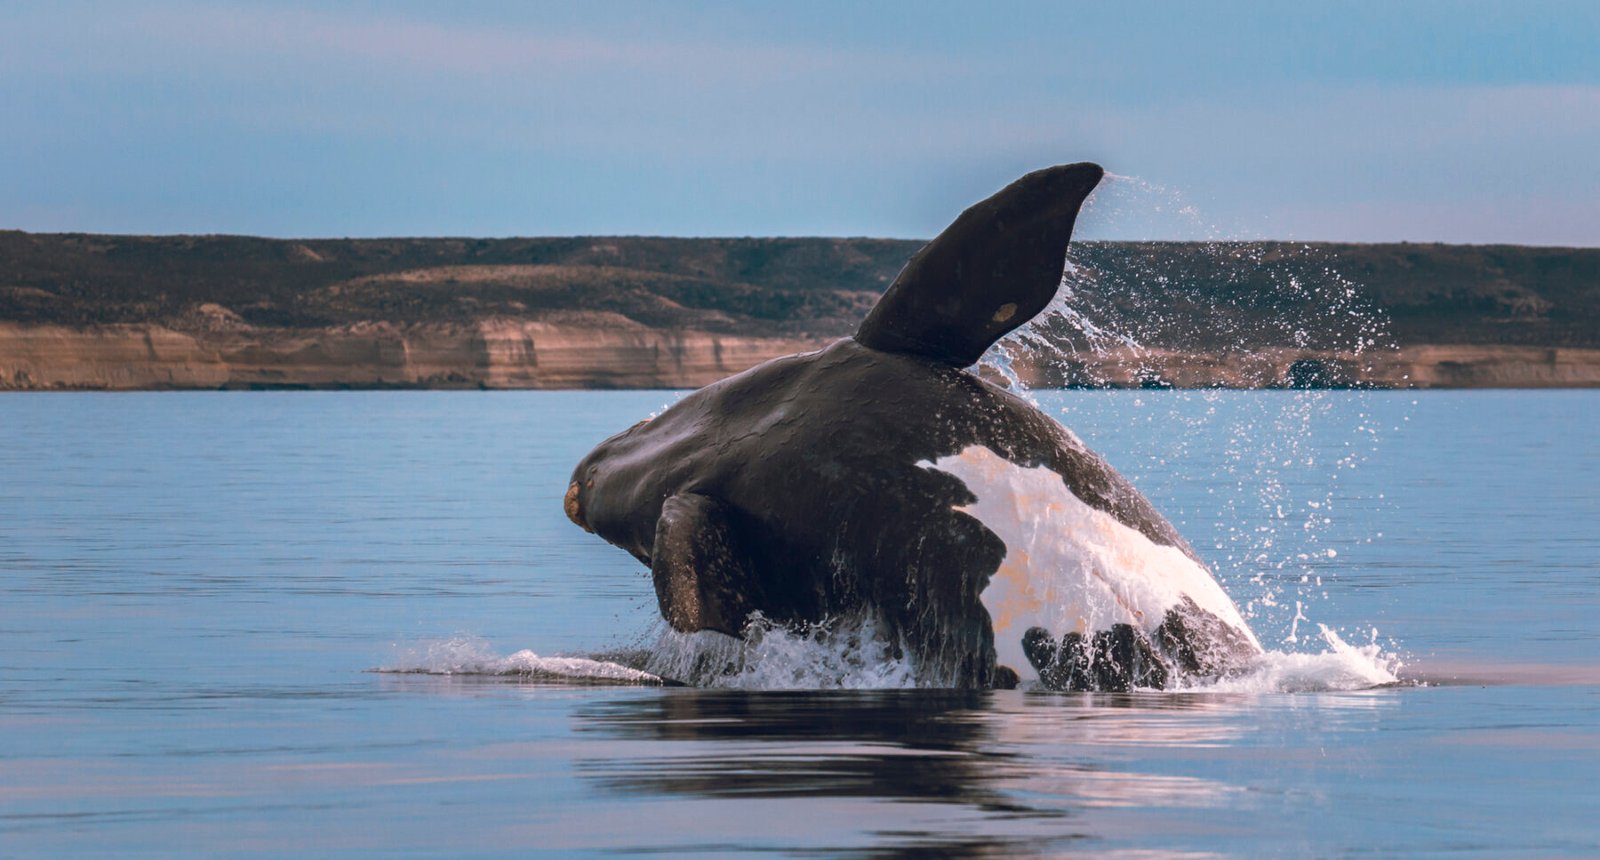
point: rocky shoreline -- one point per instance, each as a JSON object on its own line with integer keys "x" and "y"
{"x": 518, "y": 354}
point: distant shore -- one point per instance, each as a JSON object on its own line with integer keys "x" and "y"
{"x": 81, "y": 312}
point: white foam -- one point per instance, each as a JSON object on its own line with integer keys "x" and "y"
{"x": 471, "y": 656}
{"x": 1070, "y": 567}
{"x": 851, "y": 653}
{"x": 1339, "y": 668}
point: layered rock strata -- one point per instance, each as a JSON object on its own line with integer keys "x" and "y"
{"x": 522, "y": 354}
{"x": 489, "y": 354}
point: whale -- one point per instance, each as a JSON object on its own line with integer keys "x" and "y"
{"x": 881, "y": 475}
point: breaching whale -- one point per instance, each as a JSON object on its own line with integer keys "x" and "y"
{"x": 879, "y": 475}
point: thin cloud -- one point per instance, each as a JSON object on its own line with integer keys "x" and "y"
{"x": 282, "y": 120}
{"x": 413, "y": 47}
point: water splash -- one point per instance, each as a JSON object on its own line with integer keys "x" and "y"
{"x": 854, "y": 652}
{"x": 1214, "y": 313}
{"x": 858, "y": 653}
{"x": 843, "y": 654}
{"x": 1133, "y": 205}
{"x": 1340, "y": 667}
{"x": 1209, "y": 315}
{"x": 468, "y": 655}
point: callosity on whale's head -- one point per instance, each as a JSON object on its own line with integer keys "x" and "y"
{"x": 877, "y": 475}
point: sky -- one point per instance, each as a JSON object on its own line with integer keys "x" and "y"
{"x": 1366, "y": 121}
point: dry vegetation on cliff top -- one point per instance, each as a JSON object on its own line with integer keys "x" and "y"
{"x": 1431, "y": 293}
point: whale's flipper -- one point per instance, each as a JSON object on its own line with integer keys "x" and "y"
{"x": 1107, "y": 661}
{"x": 988, "y": 273}
{"x": 701, "y": 576}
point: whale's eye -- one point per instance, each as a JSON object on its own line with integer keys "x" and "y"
{"x": 590, "y": 484}
{"x": 1005, "y": 312}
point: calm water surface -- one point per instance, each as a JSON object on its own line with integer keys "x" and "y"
{"x": 193, "y": 588}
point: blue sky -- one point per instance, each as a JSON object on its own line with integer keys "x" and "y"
{"x": 1378, "y": 121}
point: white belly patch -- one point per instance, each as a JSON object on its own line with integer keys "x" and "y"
{"x": 1068, "y": 566}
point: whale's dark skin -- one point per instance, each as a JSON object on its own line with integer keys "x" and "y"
{"x": 793, "y": 489}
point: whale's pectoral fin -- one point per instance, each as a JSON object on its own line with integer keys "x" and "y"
{"x": 701, "y": 577}
{"x": 1203, "y": 644}
{"x": 989, "y": 272}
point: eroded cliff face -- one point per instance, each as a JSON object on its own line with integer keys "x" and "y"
{"x": 521, "y": 354}
{"x": 488, "y": 354}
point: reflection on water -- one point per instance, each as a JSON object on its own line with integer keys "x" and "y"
{"x": 1019, "y": 771}
{"x": 891, "y": 744}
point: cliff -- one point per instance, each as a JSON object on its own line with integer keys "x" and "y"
{"x": 486, "y": 354}
{"x": 121, "y": 312}
{"x": 513, "y": 354}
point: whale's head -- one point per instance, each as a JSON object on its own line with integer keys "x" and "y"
{"x": 613, "y": 483}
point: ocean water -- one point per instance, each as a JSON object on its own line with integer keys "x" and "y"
{"x": 195, "y": 589}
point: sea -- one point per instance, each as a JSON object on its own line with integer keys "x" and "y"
{"x": 357, "y": 624}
